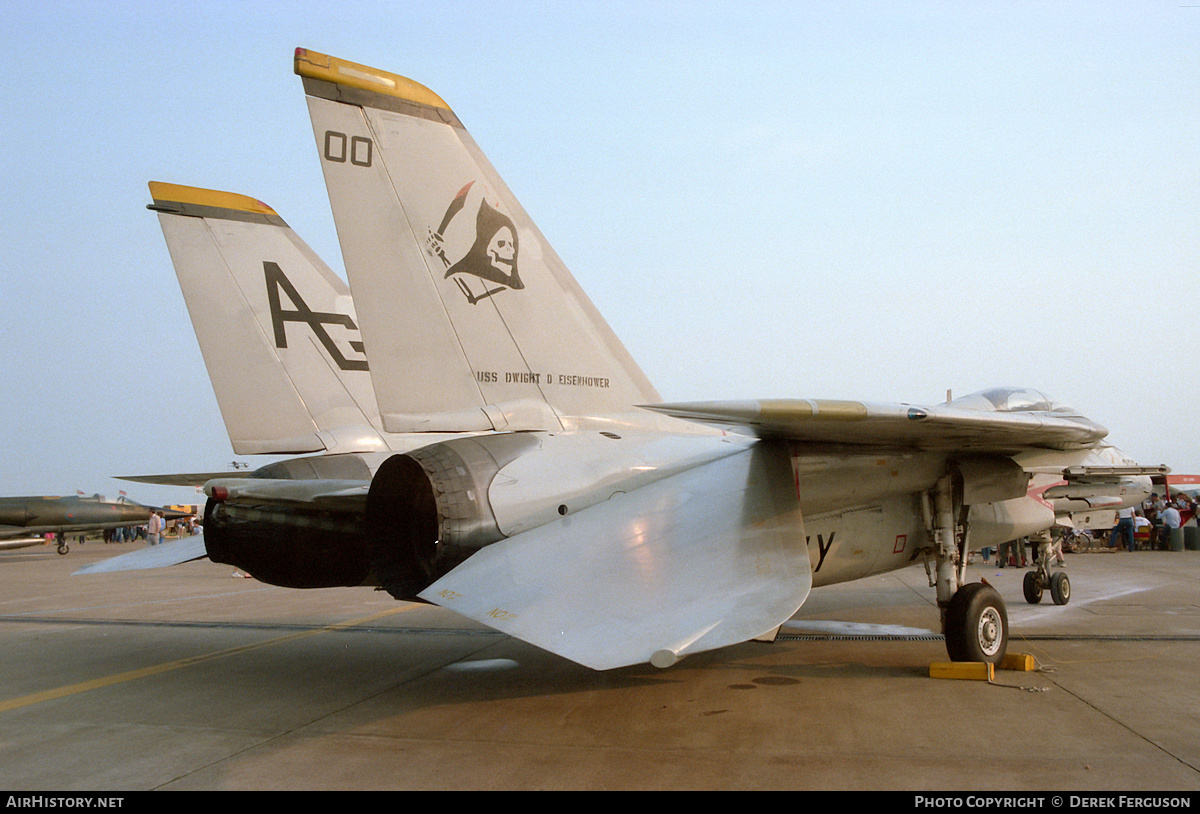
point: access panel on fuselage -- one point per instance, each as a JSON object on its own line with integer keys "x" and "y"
{"x": 855, "y": 543}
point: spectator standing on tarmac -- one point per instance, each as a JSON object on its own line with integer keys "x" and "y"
{"x": 1170, "y": 521}
{"x": 1123, "y": 529}
{"x": 154, "y": 528}
{"x": 1012, "y": 553}
{"x": 1151, "y": 507}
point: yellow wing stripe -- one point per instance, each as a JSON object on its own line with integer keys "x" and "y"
{"x": 772, "y": 410}
{"x": 312, "y": 65}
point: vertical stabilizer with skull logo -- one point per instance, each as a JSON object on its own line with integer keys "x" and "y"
{"x": 469, "y": 319}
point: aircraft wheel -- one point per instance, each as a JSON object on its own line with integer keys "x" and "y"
{"x": 63, "y": 548}
{"x": 1032, "y": 588}
{"x": 976, "y": 624}
{"x": 1060, "y": 588}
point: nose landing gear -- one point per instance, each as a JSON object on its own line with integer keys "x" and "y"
{"x": 1038, "y": 580}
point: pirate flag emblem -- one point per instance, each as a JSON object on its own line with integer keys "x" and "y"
{"x": 492, "y": 257}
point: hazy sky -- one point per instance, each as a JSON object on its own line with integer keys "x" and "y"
{"x": 872, "y": 200}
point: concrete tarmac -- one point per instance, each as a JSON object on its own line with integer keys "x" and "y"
{"x": 190, "y": 678}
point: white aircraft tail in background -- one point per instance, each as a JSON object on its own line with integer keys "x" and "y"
{"x": 276, "y": 326}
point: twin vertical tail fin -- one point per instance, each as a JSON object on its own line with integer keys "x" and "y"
{"x": 472, "y": 322}
{"x": 276, "y": 326}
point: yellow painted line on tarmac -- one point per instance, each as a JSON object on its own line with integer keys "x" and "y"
{"x": 145, "y": 672}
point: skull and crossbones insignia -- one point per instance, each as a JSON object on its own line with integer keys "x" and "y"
{"x": 492, "y": 257}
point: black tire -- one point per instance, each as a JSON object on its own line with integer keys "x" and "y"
{"x": 976, "y": 624}
{"x": 1032, "y": 588}
{"x": 1060, "y": 588}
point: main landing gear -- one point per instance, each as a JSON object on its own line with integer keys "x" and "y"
{"x": 1040, "y": 579}
{"x": 974, "y": 619}
{"x": 976, "y": 624}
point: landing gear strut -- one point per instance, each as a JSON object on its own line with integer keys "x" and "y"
{"x": 974, "y": 619}
{"x": 1038, "y": 580}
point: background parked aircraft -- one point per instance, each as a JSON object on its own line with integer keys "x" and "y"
{"x": 22, "y": 516}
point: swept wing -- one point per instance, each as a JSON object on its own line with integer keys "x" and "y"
{"x": 703, "y": 559}
{"x": 858, "y": 423}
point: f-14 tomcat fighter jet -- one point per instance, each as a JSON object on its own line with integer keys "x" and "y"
{"x": 487, "y": 444}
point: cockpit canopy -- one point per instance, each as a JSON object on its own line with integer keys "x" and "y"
{"x": 1011, "y": 400}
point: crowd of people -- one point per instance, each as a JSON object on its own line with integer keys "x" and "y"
{"x": 156, "y": 529}
{"x": 1157, "y": 516}
{"x": 1147, "y": 526}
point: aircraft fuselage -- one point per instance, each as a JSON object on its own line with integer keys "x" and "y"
{"x": 34, "y": 515}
